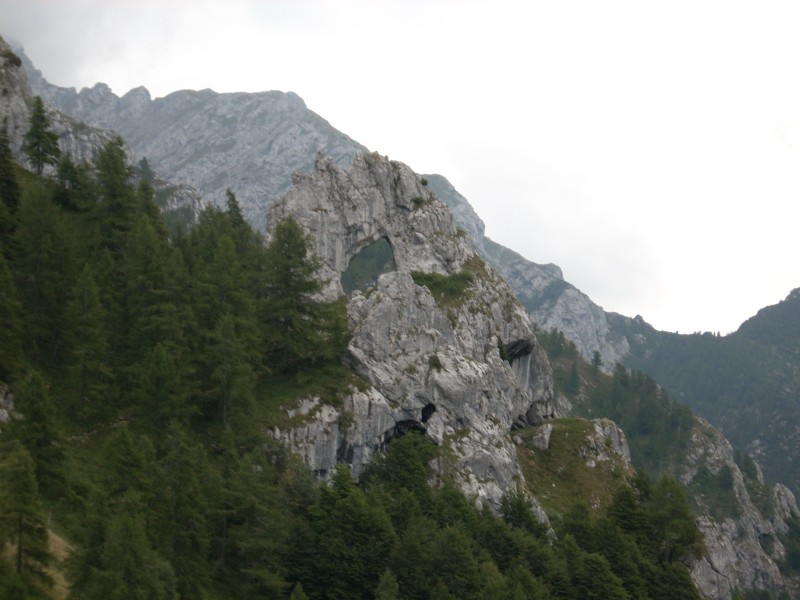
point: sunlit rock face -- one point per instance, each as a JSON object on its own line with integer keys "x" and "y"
{"x": 431, "y": 367}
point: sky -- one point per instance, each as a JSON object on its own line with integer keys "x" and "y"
{"x": 650, "y": 149}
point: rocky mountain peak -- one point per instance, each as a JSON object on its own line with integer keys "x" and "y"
{"x": 435, "y": 365}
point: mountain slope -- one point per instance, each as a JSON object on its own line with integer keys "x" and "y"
{"x": 251, "y": 143}
{"x": 465, "y": 371}
{"x": 747, "y": 383}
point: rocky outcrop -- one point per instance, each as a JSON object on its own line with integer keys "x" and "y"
{"x": 7, "y": 411}
{"x": 742, "y": 540}
{"x": 463, "y": 213}
{"x": 551, "y": 301}
{"x": 431, "y": 368}
{"x": 556, "y": 304}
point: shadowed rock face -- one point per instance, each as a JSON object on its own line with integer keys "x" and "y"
{"x": 432, "y": 368}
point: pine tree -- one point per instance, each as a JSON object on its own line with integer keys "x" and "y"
{"x": 252, "y": 528}
{"x": 182, "y": 523}
{"x": 674, "y": 529}
{"x": 22, "y": 518}
{"x": 75, "y": 189}
{"x": 131, "y": 569}
{"x": 388, "y": 588}
{"x": 41, "y": 143}
{"x": 232, "y": 378}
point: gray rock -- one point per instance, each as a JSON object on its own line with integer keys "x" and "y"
{"x": 735, "y": 558}
{"x": 431, "y": 368}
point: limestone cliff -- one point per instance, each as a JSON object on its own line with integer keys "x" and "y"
{"x": 741, "y": 518}
{"x": 433, "y": 368}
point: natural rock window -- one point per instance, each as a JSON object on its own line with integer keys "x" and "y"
{"x": 365, "y": 267}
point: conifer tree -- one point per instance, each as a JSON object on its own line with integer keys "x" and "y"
{"x": 131, "y": 569}
{"x": 38, "y": 431}
{"x": 9, "y": 187}
{"x": 232, "y": 378}
{"x": 41, "y": 142}
{"x": 90, "y": 372}
{"x": 253, "y": 526}
{"x": 118, "y": 198}
{"x": 43, "y": 268}
{"x": 388, "y": 588}
{"x": 295, "y": 331}
{"x": 75, "y": 188}
{"x": 182, "y": 522}
{"x": 10, "y": 325}
{"x": 22, "y": 517}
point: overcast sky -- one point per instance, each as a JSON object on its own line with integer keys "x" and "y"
{"x": 650, "y": 149}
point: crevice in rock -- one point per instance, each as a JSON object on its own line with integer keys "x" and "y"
{"x": 427, "y": 411}
{"x": 345, "y": 453}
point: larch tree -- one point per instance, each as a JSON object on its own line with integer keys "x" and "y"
{"x": 41, "y": 142}
{"x": 22, "y": 520}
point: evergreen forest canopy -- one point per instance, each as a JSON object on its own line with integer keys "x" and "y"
{"x": 147, "y": 364}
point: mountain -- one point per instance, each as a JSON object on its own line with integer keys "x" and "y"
{"x": 440, "y": 343}
{"x": 251, "y": 143}
{"x": 747, "y": 382}
{"x": 467, "y": 370}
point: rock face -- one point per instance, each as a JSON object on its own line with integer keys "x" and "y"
{"x": 431, "y": 368}
{"x": 251, "y": 143}
{"x": 551, "y": 301}
{"x": 555, "y": 303}
{"x": 736, "y": 539}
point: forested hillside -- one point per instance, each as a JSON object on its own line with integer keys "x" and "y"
{"x": 747, "y": 382}
{"x": 145, "y": 366}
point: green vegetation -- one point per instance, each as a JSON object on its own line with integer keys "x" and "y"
{"x": 745, "y": 383}
{"x": 148, "y": 366}
{"x": 657, "y": 428}
{"x": 41, "y": 143}
{"x": 449, "y": 291}
{"x": 559, "y": 475}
